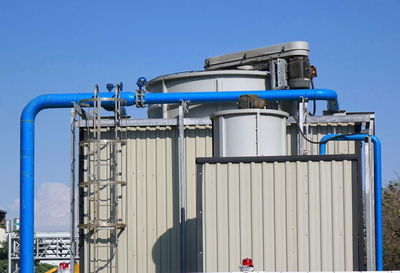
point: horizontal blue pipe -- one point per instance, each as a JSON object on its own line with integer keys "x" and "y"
{"x": 377, "y": 186}
{"x": 228, "y": 96}
{"x": 67, "y": 101}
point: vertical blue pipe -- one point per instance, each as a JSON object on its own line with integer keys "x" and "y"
{"x": 377, "y": 186}
{"x": 378, "y": 202}
{"x": 27, "y": 194}
{"x": 27, "y": 166}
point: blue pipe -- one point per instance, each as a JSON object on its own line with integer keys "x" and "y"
{"x": 228, "y": 96}
{"x": 67, "y": 101}
{"x": 377, "y": 186}
{"x": 27, "y": 162}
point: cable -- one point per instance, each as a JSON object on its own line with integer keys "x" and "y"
{"x": 318, "y": 142}
{"x": 314, "y": 101}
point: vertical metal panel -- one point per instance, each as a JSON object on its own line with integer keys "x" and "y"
{"x": 198, "y": 141}
{"x": 314, "y": 202}
{"x": 269, "y": 242}
{"x": 286, "y": 216}
{"x": 302, "y": 193}
{"x": 150, "y": 243}
{"x": 233, "y": 218}
{"x": 316, "y": 132}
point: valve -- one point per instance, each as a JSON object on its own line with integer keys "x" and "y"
{"x": 141, "y": 82}
{"x": 110, "y": 87}
{"x": 120, "y": 86}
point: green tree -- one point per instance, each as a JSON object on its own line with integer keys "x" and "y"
{"x": 43, "y": 267}
{"x": 391, "y": 225}
{"x": 4, "y": 257}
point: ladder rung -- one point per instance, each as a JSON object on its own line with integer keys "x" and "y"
{"x": 111, "y": 164}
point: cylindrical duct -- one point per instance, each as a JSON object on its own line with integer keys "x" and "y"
{"x": 249, "y": 132}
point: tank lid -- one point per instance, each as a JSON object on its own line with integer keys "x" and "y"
{"x": 236, "y": 112}
{"x": 249, "y": 57}
{"x": 190, "y": 74}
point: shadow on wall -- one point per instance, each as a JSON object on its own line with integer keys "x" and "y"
{"x": 166, "y": 254}
{"x": 153, "y": 175}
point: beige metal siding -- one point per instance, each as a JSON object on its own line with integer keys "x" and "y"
{"x": 150, "y": 243}
{"x": 286, "y": 216}
{"x": 316, "y": 132}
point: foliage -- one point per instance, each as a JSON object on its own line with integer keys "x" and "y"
{"x": 43, "y": 267}
{"x": 3, "y": 266}
{"x": 4, "y": 250}
{"x": 391, "y": 225}
{"x": 4, "y": 257}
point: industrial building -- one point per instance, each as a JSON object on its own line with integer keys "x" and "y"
{"x": 232, "y": 170}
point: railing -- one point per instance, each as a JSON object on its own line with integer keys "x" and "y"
{"x": 54, "y": 247}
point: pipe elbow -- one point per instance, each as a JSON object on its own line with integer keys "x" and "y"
{"x": 65, "y": 101}
{"x": 376, "y": 141}
{"x": 33, "y": 107}
{"x": 327, "y": 94}
{"x": 327, "y": 137}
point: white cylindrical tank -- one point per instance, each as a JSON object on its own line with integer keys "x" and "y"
{"x": 249, "y": 132}
{"x": 203, "y": 81}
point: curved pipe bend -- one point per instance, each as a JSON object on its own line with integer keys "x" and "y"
{"x": 27, "y": 154}
{"x": 67, "y": 101}
{"x": 377, "y": 185}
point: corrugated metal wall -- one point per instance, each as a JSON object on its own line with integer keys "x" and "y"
{"x": 286, "y": 216}
{"x": 150, "y": 243}
{"x": 102, "y": 257}
{"x": 153, "y": 217}
{"x": 316, "y": 132}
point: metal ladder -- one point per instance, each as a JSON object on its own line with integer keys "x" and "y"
{"x": 104, "y": 182}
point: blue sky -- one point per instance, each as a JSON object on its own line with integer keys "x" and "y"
{"x": 55, "y": 46}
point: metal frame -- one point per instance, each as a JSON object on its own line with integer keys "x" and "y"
{"x": 104, "y": 192}
{"x": 72, "y": 191}
{"x": 303, "y": 125}
{"x": 278, "y": 75}
{"x": 249, "y": 57}
{"x": 181, "y": 177}
{"x": 284, "y": 158}
{"x": 48, "y": 247}
{"x": 369, "y": 199}
{"x": 347, "y": 117}
{"x": 199, "y": 215}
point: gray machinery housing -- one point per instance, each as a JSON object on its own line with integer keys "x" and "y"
{"x": 204, "y": 186}
{"x": 284, "y": 66}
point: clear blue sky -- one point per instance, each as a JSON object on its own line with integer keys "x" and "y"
{"x": 54, "y": 46}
